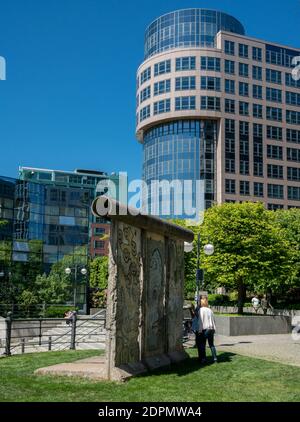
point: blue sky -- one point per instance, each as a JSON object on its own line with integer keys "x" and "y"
{"x": 69, "y": 97}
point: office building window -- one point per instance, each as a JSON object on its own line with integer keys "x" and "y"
{"x": 293, "y": 117}
{"x": 258, "y": 189}
{"x": 244, "y": 147}
{"x": 229, "y": 146}
{"x": 210, "y": 103}
{"x": 185, "y": 83}
{"x": 229, "y": 106}
{"x": 274, "y": 132}
{"x": 145, "y": 94}
{"x": 243, "y": 50}
{"x": 257, "y": 54}
{"x": 229, "y": 165}
{"x": 274, "y": 113}
{"x": 211, "y": 63}
{"x": 210, "y": 83}
{"x": 162, "y": 106}
{"x": 257, "y": 150}
{"x": 257, "y": 73}
{"x": 292, "y": 98}
{"x": 185, "y": 103}
{"x": 229, "y": 86}
{"x": 275, "y": 191}
{"x": 293, "y": 135}
{"x": 162, "y": 67}
{"x": 274, "y": 152}
{"x": 293, "y": 154}
{"x": 273, "y": 76}
{"x": 146, "y": 75}
{"x": 258, "y": 111}
{"x": 244, "y": 89}
{"x": 99, "y": 244}
{"x": 273, "y": 94}
{"x": 293, "y": 173}
{"x": 244, "y": 187}
{"x": 258, "y": 169}
{"x": 186, "y": 63}
{"x": 162, "y": 87}
{"x": 275, "y": 171}
{"x": 244, "y": 108}
{"x": 274, "y": 207}
{"x": 244, "y": 70}
{"x": 145, "y": 113}
{"x": 230, "y": 186}
{"x": 98, "y": 231}
{"x": 229, "y": 47}
{"x": 290, "y": 81}
{"x": 229, "y": 67}
{"x": 257, "y": 92}
{"x": 294, "y": 193}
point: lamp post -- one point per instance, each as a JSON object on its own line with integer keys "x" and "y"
{"x": 208, "y": 250}
{"x": 83, "y": 271}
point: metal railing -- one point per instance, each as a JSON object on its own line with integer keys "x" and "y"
{"x": 40, "y": 310}
{"x": 42, "y": 334}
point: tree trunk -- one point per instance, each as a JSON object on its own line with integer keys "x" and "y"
{"x": 241, "y": 297}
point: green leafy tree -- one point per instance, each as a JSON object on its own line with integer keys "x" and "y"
{"x": 289, "y": 220}
{"x": 251, "y": 249}
{"x": 190, "y": 261}
{"x": 98, "y": 280}
{"x": 28, "y": 298}
{"x": 57, "y": 286}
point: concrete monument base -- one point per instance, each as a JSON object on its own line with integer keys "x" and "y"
{"x": 96, "y": 368}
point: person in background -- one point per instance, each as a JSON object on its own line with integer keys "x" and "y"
{"x": 255, "y": 303}
{"x": 207, "y": 328}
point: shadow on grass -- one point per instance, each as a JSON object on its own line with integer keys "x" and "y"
{"x": 189, "y": 366}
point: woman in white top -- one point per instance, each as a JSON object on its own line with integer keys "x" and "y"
{"x": 207, "y": 330}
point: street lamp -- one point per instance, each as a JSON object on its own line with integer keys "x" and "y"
{"x": 208, "y": 250}
{"x": 83, "y": 271}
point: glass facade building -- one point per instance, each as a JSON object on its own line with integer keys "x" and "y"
{"x": 217, "y": 106}
{"x": 48, "y": 219}
{"x": 188, "y": 28}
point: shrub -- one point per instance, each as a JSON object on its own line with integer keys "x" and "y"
{"x": 218, "y": 300}
{"x": 58, "y": 311}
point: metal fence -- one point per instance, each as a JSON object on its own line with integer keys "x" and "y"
{"x": 40, "y": 310}
{"x": 44, "y": 334}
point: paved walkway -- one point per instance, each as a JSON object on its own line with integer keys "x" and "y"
{"x": 274, "y": 347}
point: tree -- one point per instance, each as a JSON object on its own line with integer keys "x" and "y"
{"x": 190, "y": 261}
{"x": 57, "y": 286}
{"x": 289, "y": 220}
{"x": 98, "y": 280}
{"x": 251, "y": 249}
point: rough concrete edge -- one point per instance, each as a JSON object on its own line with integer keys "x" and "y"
{"x": 66, "y": 373}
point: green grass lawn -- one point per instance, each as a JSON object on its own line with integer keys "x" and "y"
{"x": 235, "y": 378}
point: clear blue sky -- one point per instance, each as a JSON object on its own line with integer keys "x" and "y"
{"x": 69, "y": 98}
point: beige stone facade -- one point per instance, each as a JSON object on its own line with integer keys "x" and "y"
{"x": 286, "y": 197}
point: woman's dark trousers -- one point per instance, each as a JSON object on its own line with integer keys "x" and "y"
{"x": 201, "y": 338}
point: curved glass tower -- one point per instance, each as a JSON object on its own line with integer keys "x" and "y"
{"x": 179, "y": 143}
{"x": 188, "y": 28}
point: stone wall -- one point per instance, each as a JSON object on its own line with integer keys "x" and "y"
{"x": 145, "y": 293}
